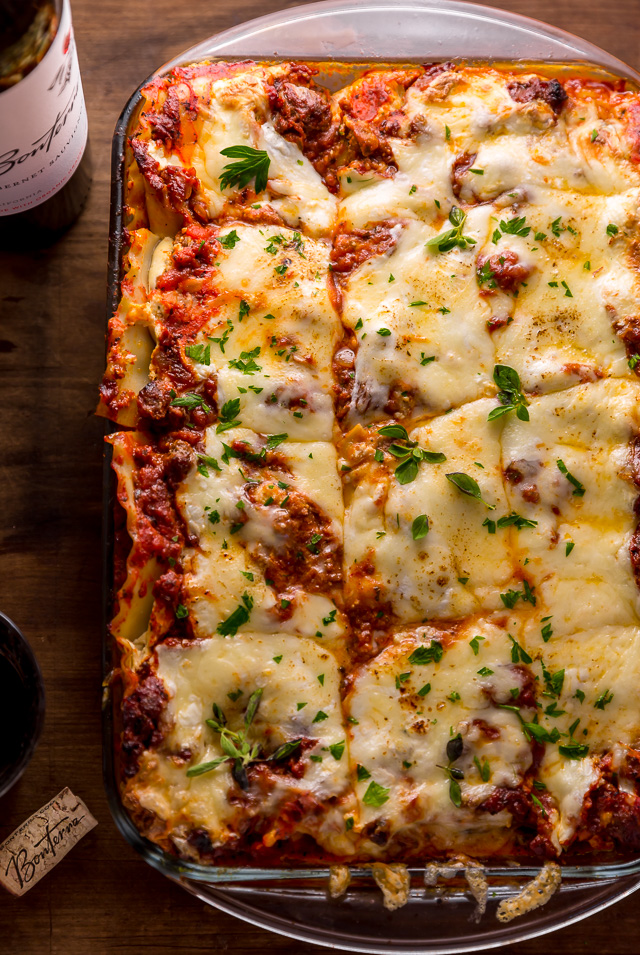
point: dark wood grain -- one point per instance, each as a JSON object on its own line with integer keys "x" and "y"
{"x": 102, "y": 898}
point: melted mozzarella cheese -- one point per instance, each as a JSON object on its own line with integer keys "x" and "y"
{"x": 226, "y": 562}
{"x": 401, "y": 735}
{"x": 588, "y": 429}
{"x": 561, "y": 330}
{"x": 420, "y": 324}
{"x": 445, "y": 573}
{"x": 196, "y": 677}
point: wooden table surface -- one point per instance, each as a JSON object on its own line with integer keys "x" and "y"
{"x": 103, "y": 898}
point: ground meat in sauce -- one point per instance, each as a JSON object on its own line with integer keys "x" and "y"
{"x": 300, "y": 114}
{"x": 519, "y": 473}
{"x": 141, "y": 712}
{"x": 498, "y": 321}
{"x": 550, "y": 91}
{"x": 344, "y": 362}
{"x": 612, "y": 818}
{"x": 515, "y": 801}
{"x": 351, "y": 249}
{"x": 165, "y": 123}
{"x": 401, "y": 401}
{"x": 175, "y": 184}
{"x": 461, "y": 164}
{"x": 508, "y": 272}
{"x": 297, "y": 562}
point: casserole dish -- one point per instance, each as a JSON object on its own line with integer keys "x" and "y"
{"x": 333, "y": 27}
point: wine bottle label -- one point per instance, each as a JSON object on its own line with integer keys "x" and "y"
{"x": 44, "y": 126}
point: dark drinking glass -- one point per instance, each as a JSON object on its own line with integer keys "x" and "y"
{"x": 21, "y": 703}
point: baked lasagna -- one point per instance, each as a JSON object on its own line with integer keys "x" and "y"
{"x": 375, "y": 538}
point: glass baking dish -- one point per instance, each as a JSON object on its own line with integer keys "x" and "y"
{"x": 294, "y": 902}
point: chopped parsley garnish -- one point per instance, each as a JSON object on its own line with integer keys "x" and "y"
{"x": 362, "y": 773}
{"x": 227, "y": 415}
{"x": 518, "y": 653}
{"x": 384, "y": 332}
{"x": 516, "y": 226}
{"x": 546, "y": 631}
{"x": 486, "y": 275}
{"x": 246, "y": 363}
{"x": 191, "y": 401}
{"x": 313, "y": 542}
{"x": 574, "y": 750}
{"x": 375, "y": 795}
{"x": 569, "y": 547}
{"x": 273, "y": 440}
{"x": 204, "y": 463}
{"x": 200, "y": 353}
{"x": 603, "y": 699}
{"x": 243, "y": 309}
{"x": 424, "y": 689}
{"x": 578, "y": 488}
{"x": 475, "y": 644}
{"x": 251, "y": 164}
{"x": 181, "y": 612}
{"x": 423, "y": 655}
{"x": 230, "y": 240}
{"x": 337, "y": 749}
{"x": 214, "y": 517}
{"x": 485, "y": 671}
{"x": 510, "y": 394}
{"x": 230, "y": 626}
{"x": 579, "y": 695}
{"x": 612, "y": 229}
{"x": 467, "y": 485}
{"x": 452, "y": 238}
{"x": 402, "y": 678}
{"x": 426, "y": 359}
{"x": 278, "y": 658}
{"x": 330, "y": 619}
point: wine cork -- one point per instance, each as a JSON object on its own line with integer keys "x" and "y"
{"x": 42, "y": 841}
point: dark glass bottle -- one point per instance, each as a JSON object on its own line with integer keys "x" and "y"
{"x": 45, "y": 163}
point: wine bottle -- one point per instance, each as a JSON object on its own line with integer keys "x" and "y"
{"x": 45, "y": 163}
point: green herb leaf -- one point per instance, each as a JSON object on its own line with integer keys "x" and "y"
{"x": 240, "y": 616}
{"x": 362, "y": 773}
{"x": 448, "y": 240}
{"x": 469, "y": 486}
{"x": 604, "y": 698}
{"x": 230, "y": 240}
{"x": 483, "y": 768}
{"x": 252, "y": 164}
{"x": 200, "y": 353}
{"x": 431, "y": 654}
{"x": 375, "y": 795}
{"x": 574, "y": 750}
{"x": 282, "y": 752}
{"x": 191, "y": 401}
{"x": 420, "y": 527}
{"x": 578, "y": 488}
{"x": 337, "y": 749}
